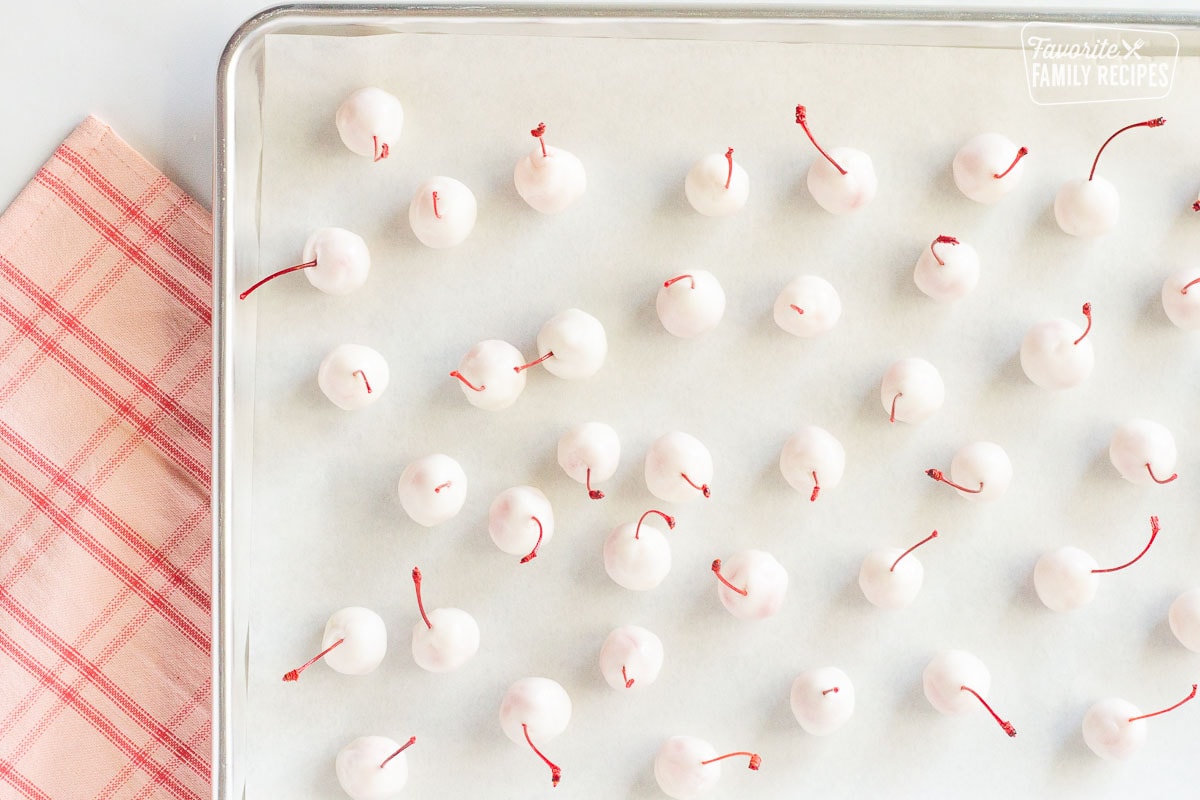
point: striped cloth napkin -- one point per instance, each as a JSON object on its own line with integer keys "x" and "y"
{"x": 105, "y": 528}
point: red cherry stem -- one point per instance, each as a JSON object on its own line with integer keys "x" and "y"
{"x": 1196, "y": 206}
{"x": 937, "y": 241}
{"x": 538, "y": 133}
{"x": 755, "y": 758}
{"x": 716, "y": 568}
{"x": 364, "y": 377}
{"x": 275, "y": 275}
{"x": 1153, "y": 534}
{"x": 555, "y": 771}
{"x": 1150, "y": 123}
{"x": 411, "y": 741}
{"x": 1156, "y": 479}
{"x": 812, "y": 498}
{"x": 940, "y": 477}
{"x": 669, "y": 520}
{"x": 1195, "y": 282}
{"x": 928, "y": 538}
{"x": 435, "y": 208}
{"x": 438, "y": 489}
{"x": 702, "y": 488}
{"x": 796, "y": 308}
{"x": 679, "y": 278}
{"x": 729, "y": 174}
{"x": 381, "y": 151}
{"x": 533, "y": 553}
{"x": 892, "y": 418}
{"x": 802, "y": 121}
{"x": 628, "y": 680}
{"x": 833, "y": 689}
{"x": 1165, "y": 710}
{"x": 416, "y": 577}
{"x": 534, "y": 363}
{"x": 595, "y": 494}
{"x": 1024, "y": 151}
{"x": 294, "y": 675}
{"x": 1007, "y": 726}
{"x": 467, "y": 383}
{"x": 1087, "y": 312}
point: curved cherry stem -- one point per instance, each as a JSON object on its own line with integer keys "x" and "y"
{"x": 381, "y": 151}
{"x": 1024, "y": 151}
{"x": 436, "y": 213}
{"x": 729, "y": 174}
{"x": 1165, "y": 710}
{"x": 628, "y": 680}
{"x": 831, "y": 690}
{"x": 467, "y": 383}
{"x": 755, "y": 758}
{"x": 812, "y": 498}
{"x": 1196, "y": 282}
{"x": 1150, "y": 123}
{"x": 438, "y": 489}
{"x": 538, "y": 133}
{"x": 366, "y": 382}
{"x": 637, "y": 532}
{"x": 928, "y": 538}
{"x": 1156, "y": 479}
{"x": 937, "y": 241}
{"x": 555, "y": 771}
{"x": 1154, "y": 529}
{"x": 892, "y": 418}
{"x": 274, "y": 275}
{"x": 702, "y": 488}
{"x": 535, "y": 362}
{"x": 1006, "y": 725}
{"x": 716, "y": 568}
{"x": 294, "y": 675}
{"x": 796, "y": 308}
{"x": 679, "y": 278}
{"x": 533, "y": 553}
{"x": 1087, "y": 312}
{"x": 411, "y": 741}
{"x": 595, "y": 494}
{"x": 416, "y": 578}
{"x": 802, "y": 121}
{"x": 940, "y": 477}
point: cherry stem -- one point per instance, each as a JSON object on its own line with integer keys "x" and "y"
{"x": 716, "y": 568}
{"x": 1196, "y": 206}
{"x": 802, "y": 121}
{"x": 595, "y": 494}
{"x": 628, "y": 680}
{"x": 411, "y": 741}
{"x": 381, "y": 151}
{"x": 555, "y": 771}
{"x": 1150, "y": 123}
{"x": 416, "y": 577}
{"x": 1156, "y": 479}
{"x": 1165, "y": 710}
{"x": 755, "y": 758}
{"x": 702, "y": 488}
{"x": 796, "y": 308}
{"x": 294, "y": 675}
{"x": 679, "y": 278}
{"x": 937, "y": 241}
{"x": 928, "y": 538}
{"x": 364, "y": 377}
{"x": 834, "y": 690}
{"x": 533, "y": 553}
{"x": 1024, "y": 151}
{"x": 729, "y": 174}
{"x": 1154, "y": 529}
{"x": 534, "y": 363}
{"x": 435, "y": 208}
{"x": 1007, "y": 726}
{"x": 812, "y": 498}
{"x": 940, "y": 477}
{"x": 1087, "y": 312}
{"x": 438, "y": 489}
{"x": 669, "y": 520}
{"x": 538, "y": 133}
{"x": 467, "y": 383}
{"x": 1195, "y": 282}
{"x": 892, "y": 418}
{"x": 275, "y": 275}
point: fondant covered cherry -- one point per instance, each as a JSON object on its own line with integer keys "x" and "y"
{"x": 1115, "y": 729}
{"x": 549, "y": 179}
{"x": 353, "y": 376}
{"x": 533, "y": 711}
{"x": 572, "y": 345}
{"x": 445, "y": 638}
{"x": 631, "y": 656}
{"x": 687, "y": 767}
{"x": 488, "y": 375}
{"x": 432, "y": 489}
{"x": 373, "y": 767}
{"x": 678, "y": 468}
{"x": 520, "y": 521}
{"x": 336, "y": 261}
{"x": 442, "y": 212}
{"x": 947, "y": 270}
{"x": 1184, "y": 618}
{"x": 812, "y": 459}
{"x": 956, "y": 682}
{"x": 1143, "y": 452}
{"x": 637, "y": 556}
{"x": 354, "y": 642}
{"x": 1057, "y": 354}
{"x": 717, "y": 186}
{"x": 1181, "y": 298}
{"x": 370, "y": 121}
{"x": 690, "y": 304}
{"x": 751, "y": 584}
{"x": 808, "y": 306}
{"x": 891, "y": 577}
{"x": 979, "y": 471}
{"x": 843, "y": 179}
{"x": 822, "y": 700}
{"x": 988, "y": 167}
{"x": 589, "y": 453}
{"x": 1091, "y": 207}
{"x": 912, "y": 390}
{"x": 1066, "y": 578}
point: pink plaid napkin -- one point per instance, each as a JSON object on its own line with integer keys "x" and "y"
{"x": 105, "y": 410}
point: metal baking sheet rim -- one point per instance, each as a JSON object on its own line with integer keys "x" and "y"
{"x": 371, "y": 19}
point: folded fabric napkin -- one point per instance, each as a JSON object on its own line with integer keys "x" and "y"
{"x": 105, "y": 528}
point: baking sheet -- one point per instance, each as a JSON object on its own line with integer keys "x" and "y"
{"x": 328, "y": 530}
